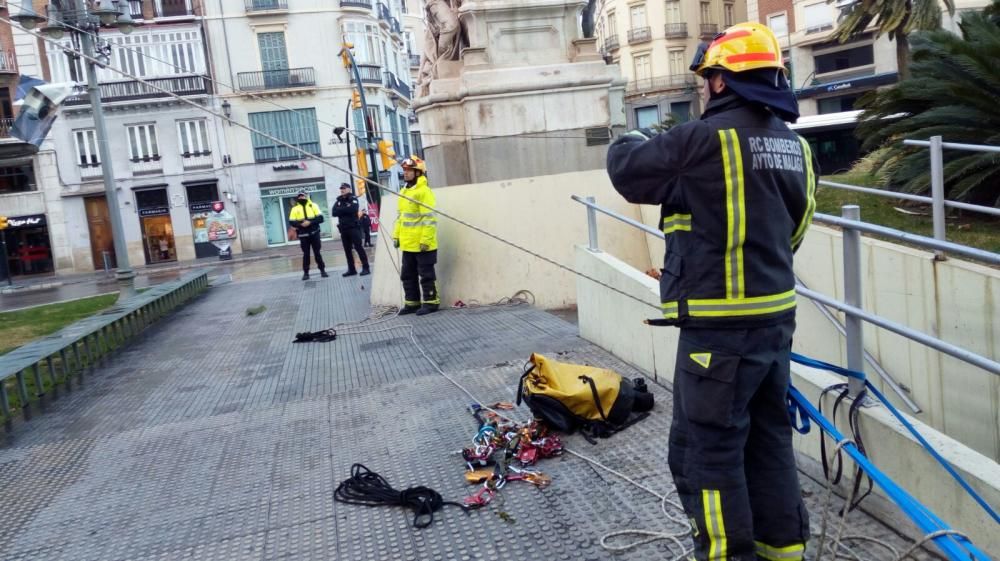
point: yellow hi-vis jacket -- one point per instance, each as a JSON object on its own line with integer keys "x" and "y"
{"x": 416, "y": 224}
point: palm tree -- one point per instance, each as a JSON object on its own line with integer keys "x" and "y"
{"x": 954, "y": 92}
{"x": 895, "y": 18}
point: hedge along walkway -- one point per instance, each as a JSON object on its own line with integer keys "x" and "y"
{"x": 30, "y": 375}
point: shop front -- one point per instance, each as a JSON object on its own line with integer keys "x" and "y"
{"x": 157, "y": 229}
{"x": 200, "y": 197}
{"x": 28, "y": 249}
{"x": 277, "y": 202}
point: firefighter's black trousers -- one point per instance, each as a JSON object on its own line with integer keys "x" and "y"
{"x": 418, "y": 274}
{"x": 731, "y": 444}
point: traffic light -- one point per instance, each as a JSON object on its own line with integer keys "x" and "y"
{"x": 356, "y": 99}
{"x": 387, "y": 152}
{"x": 362, "y": 156}
{"x": 345, "y": 54}
{"x": 3, "y": 222}
{"x": 360, "y": 187}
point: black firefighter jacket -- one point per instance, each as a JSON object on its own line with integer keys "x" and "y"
{"x": 736, "y": 193}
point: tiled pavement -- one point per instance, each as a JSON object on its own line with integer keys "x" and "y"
{"x": 214, "y": 437}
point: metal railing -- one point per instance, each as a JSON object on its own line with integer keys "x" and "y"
{"x": 265, "y": 5}
{"x": 6, "y": 124}
{"x": 370, "y": 74}
{"x": 852, "y": 308}
{"x": 277, "y": 79}
{"x": 414, "y": 61}
{"x": 659, "y": 83}
{"x": 8, "y": 62}
{"x": 709, "y": 29}
{"x": 937, "y": 201}
{"x": 639, "y": 35}
{"x": 394, "y": 83}
{"x": 51, "y": 362}
{"x": 363, "y": 4}
{"x": 265, "y": 154}
{"x": 611, "y": 42}
{"x": 675, "y": 30}
{"x": 132, "y": 90}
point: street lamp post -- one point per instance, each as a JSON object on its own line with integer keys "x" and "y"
{"x": 83, "y": 25}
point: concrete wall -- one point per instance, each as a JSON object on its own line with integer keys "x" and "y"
{"x": 953, "y": 300}
{"x": 536, "y": 213}
{"x": 614, "y": 322}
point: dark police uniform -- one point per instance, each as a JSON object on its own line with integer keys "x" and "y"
{"x": 345, "y": 208}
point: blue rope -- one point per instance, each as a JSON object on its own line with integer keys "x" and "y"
{"x": 807, "y": 361}
{"x": 958, "y": 548}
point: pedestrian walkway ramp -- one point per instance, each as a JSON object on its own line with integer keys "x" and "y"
{"x": 214, "y": 437}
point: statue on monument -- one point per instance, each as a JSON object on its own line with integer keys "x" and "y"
{"x": 443, "y": 41}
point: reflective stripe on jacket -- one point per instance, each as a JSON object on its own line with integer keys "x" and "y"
{"x": 736, "y": 190}
{"x": 416, "y": 224}
{"x": 310, "y": 211}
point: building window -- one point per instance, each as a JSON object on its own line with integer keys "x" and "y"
{"x": 86, "y": 148}
{"x": 837, "y": 104}
{"x": 142, "y": 144}
{"x": 641, "y": 66}
{"x": 273, "y": 53}
{"x": 375, "y": 120}
{"x": 366, "y": 41}
{"x": 845, "y": 59}
{"x": 405, "y": 133}
{"x": 144, "y": 53}
{"x": 673, "y": 11}
{"x": 638, "y": 16}
{"x": 297, "y": 128}
{"x": 778, "y": 24}
{"x": 647, "y": 116}
{"x": 818, "y": 17}
{"x": 193, "y": 137}
{"x": 706, "y": 12}
{"x": 675, "y": 59}
{"x": 681, "y": 111}
{"x": 786, "y": 59}
{"x": 17, "y": 178}
{"x": 612, "y": 24}
{"x": 727, "y": 14}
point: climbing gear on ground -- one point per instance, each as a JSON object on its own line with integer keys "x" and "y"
{"x": 567, "y": 397}
{"x": 323, "y": 336}
{"x": 365, "y": 487}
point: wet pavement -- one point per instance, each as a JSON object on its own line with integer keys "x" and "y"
{"x": 214, "y": 437}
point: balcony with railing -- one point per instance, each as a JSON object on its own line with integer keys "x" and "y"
{"x": 255, "y": 7}
{"x": 197, "y": 160}
{"x": 356, "y": 4}
{"x": 8, "y": 62}
{"x": 394, "y": 25}
{"x": 147, "y": 166}
{"x": 393, "y": 83}
{"x": 659, "y": 83}
{"x": 265, "y": 154}
{"x": 370, "y": 74}
{"x": 131, "y": 90}
{"x": 675, "y": 30}
{"x": 384, "y": 15}
{"x": 709, "y": 29}
{"x": 611, "y": 43}
{"x": 91, "y": 171}
{"x": 174, "y": 9}
{"x": 283, "y": 78}
{"x": 414, "y": 61}
{"x": 639, "y": 35}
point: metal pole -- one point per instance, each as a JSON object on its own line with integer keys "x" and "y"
{"x": 124, "y": 273}
{"x": 937, "y": 192}
{"x": 592, "y": 224}
{"x": 6, "y": 263}
{"x": 853, "y": 297}
{"x": 369, "y": 133}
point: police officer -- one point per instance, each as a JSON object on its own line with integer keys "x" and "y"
{"x": 345, "y": 208}
{"x": 736, "y": 194}
{"x": 415, "y": 232}
{"x": 306, "y": 217}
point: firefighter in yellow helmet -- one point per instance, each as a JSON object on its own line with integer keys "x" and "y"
{"x": 736, "y": 194}
{"x": 415, "y": 233}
